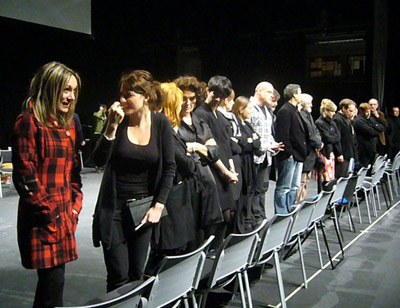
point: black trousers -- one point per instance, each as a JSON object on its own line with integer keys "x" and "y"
{"x": 126, "y": 257}
{"x": 50, "y": 287}
{"x": 257, "y": 194}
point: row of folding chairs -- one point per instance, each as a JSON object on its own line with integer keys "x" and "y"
{"x": 188, "y": 279}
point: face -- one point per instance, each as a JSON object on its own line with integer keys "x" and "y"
{"x": 266, "y": 95}
{"x": 274, "y": 103}
{"x": 396, "y": 111}
{"x": 373, "y": 103}
{"x": 367, "y": 114}
{"x": 329, "y": 114}
{"x": 297, "y": 96}
{"x": 131, "y": 101}
{"x": 308, "y": 106}
{"x": 68, "y": 95}
{"x": 229, "y": 104}
{"x": 246, "y": 112}
{"x": 189, "y": 102}
{"x": 350, "y": 112}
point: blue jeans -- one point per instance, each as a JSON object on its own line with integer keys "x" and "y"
{"x": 289, "y": 177}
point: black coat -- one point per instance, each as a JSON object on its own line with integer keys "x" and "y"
{"x": 330, "y": 135}
{"x": 314, "y": 139}
{"x": 290, "y": 130}
{"x": 367, "y": 132}
{"x": 347, "y": 135}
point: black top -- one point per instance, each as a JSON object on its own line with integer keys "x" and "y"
{"x": 135, "y": 165}
{"x": 330, "y": 135}
{"x": 347, "y": 135}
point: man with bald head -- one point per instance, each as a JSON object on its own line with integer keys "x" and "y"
{"x": 379, "y": 117}
{"x": 262, "y": 121}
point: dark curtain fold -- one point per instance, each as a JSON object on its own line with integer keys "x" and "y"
{"x": 380, "y": 39}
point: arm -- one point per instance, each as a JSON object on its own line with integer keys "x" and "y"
{"x": 26, "y": 172}
{"x": 326, "y": 134}
{"x": 153, "y": 215}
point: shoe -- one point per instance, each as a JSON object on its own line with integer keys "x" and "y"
{"x": 268, "y": 265}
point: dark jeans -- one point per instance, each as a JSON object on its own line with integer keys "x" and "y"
{"x": 341, "y": 169}
{"x": 50, "y": 287}
{"x": 126, "y": 258}
{"x": 257, "y": 195}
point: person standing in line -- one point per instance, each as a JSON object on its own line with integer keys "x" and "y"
{"x": 46, "y": 176}
{"x": 138, "y": 154}
{"x": 394, "y": 137}
{"x": 367, "y": 132}
{"x": 346, "y": 112}
{"x": 315, "y": 144}
{"x": 292, "y": 132}
{"x": 262, "y": 123}
{"x": 379, "y": 117}
{"x": 219, "y": 89}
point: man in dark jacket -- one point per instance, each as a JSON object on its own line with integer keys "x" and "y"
{"x": 367, "y": 132}
{"x": 394, "y": 136}
{"x": 291, "y": 131}
{"x": 347, "y": 136}
{"x": 314, "y": 143}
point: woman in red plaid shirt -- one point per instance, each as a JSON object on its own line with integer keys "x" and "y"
{"x": 46, "y": 176}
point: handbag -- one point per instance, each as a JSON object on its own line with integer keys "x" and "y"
{"x": 139, "y": 207}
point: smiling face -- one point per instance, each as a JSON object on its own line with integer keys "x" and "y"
{"x": 68, "y": 95}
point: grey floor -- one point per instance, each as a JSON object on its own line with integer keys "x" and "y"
{"x": 367, "y": 277}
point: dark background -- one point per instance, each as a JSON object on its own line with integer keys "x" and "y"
{"x": 247, "y": 41}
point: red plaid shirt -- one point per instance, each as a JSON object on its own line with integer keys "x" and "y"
{"x": 46, "y": 176}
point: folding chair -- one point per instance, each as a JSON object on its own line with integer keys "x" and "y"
{"x": 5, "y": 167}
{"x": 130, "y": 295}
{"x": 230, "y": 262}
{"x": 362, "y": 173}
{"x": 347, "y": 200}
{"x": 300, "y": 225}
{"x": 272, "y": 239}
{"x": 320, "y": 207}
{"x": 178, "y": 277}
{"x": 336, "y": 199}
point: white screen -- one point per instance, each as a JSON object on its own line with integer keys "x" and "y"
{"x": 72, "y": 15}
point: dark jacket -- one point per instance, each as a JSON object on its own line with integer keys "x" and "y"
{"x": 330, "y": 135}
{"x": 290, "y": 130}
{"x": 107, "y": 199}
{"x": 367, "y": 132}
{"x": 314, "y": 139}
{"x": 347, "y": 135}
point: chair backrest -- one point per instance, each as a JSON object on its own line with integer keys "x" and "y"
{"x": 339, "y": 191}
{"x": 350, "y": 168}
{"x": 362, "y": 173}
{"x": 178, "y": 276}
{"x": 321, "y": 205}
{"x": 301, "y": 220}
{"x": 379, "y": 161}
{"x": 274, "y": 236}
{"x": 350, "y": 188}
{"x": 234, "y": 255}
{"x": 127, "y": 296}
{"x": 5, "y": 156}
{"x": 376, "y": 177}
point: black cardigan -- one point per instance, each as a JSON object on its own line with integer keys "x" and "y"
{"x": 107, "y": 199}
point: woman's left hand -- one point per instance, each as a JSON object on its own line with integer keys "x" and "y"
{"x": 153, "y": 215}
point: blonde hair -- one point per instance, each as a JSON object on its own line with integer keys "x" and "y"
{"x": 45, "y": 93}
{"x": 172, "y": 98}
{"x": 327, "y": 105}
{"x": 241, "y": 102}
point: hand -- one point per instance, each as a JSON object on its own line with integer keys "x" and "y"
{"x": 340, "y": 159}
{"x": 255, "y": 136}
{"x": 232, "y": 177}
{"x": 115, "y": 114}
{"x": 276, "y": 147}
{"x": 153, "y": 215}
{"x": 191, "y": 147}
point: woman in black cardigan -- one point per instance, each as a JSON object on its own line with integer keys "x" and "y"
{"x": 137, "y": 149}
